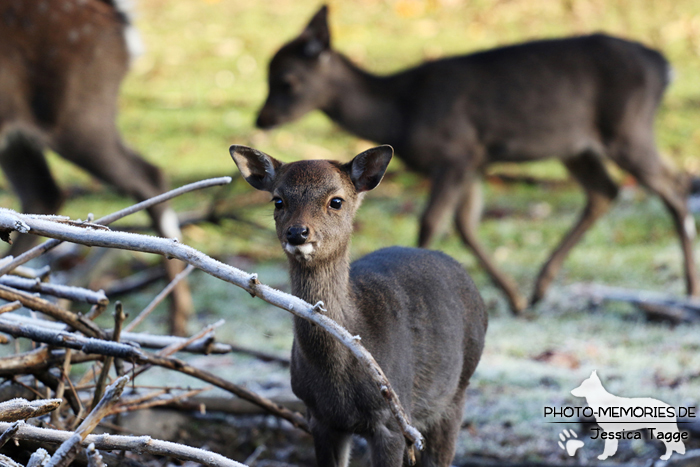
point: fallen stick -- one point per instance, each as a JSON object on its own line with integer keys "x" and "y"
{"x": 137, "y": 444}
{"x": 171, "y": 248}
{"x": 78, "y": 294}
{"x": 22, "y": 409}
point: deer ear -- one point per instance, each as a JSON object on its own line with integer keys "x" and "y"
{"x": 367, "y": 168}
{"x": 317, "y": 35}
{"x": 257, "y": 168}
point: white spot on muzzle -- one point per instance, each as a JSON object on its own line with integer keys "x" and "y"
{"x": 170, "y": 225}
{"x": 302, "y": 251}
{"x": 689, "y": 225}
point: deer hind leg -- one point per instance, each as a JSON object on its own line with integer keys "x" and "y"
{"x": 644, "y": 163}
{"x": 467, "y": 218}
{"x": 103, "y": 155}
{"x": 590, "y": 172}
{"x": 444, "y": 194}
{"x": 22, "y": 160}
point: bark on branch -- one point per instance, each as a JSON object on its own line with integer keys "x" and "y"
{"x": 137, "y": 444}
{"x": 22, "y": 409}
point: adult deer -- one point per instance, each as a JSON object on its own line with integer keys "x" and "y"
{"x": 61, "y": 65}
{"x": 581, "y": 100}
{"x": 417, "y": 312}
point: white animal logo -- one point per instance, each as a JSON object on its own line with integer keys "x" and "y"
{"x": 615, "y": 415}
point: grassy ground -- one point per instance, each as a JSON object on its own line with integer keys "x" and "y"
{"x": 200, "y": 83}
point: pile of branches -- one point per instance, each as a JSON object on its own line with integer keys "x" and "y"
{"x": 65, "y": 412}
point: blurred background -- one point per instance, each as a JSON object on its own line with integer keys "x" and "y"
{"x": 197, "y": 89}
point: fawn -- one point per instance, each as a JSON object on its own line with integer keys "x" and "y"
{"x": 61, "y": 65}
{"x": 417, "y": 312}
{"x": 581, "y": 100}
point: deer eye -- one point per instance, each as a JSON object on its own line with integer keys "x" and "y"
{"x": 278, "y": 202}
{"x": 336, "y": 203}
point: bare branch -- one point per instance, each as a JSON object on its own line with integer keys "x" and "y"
{"x": 7, "y": 462}
{"x": 77, "y": 294}
{"x": 67, "y": 451}
{"x": 10, "y": 432}
{"x": 94, "y": 457}
{"x": 70, "y": 340}
{"x": 159, "y": 298}
{"x": 22, "y": 409}
{"x": 39, "y": 458}
{"x": 76, "y": 321}
{"x": 46, "y": 246}
{"x": 12, "y": 306}
{"x": 170, "y": 248}
{"x": 174, "y": 398}
{"x": 103, "y": 347}
{"x": 138, "y": 444}
{"x": 152, "y": 341}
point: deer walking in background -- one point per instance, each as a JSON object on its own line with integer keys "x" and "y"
{"x": 61, "y": 65}
{"x": 580, "y": 100}
{"x": 417, "y": 312}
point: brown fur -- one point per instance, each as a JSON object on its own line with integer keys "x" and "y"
{"x": 416, "y": 311}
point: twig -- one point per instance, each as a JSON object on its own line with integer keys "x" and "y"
{"x": 139, "y": 444}
{"x": 10, "y": 432}
{"x": 78, "y": 322}
{"x": 39, "y": 458}
{"x": 158, "y": 402}
{"x": 7, "y": 462}
{"x": 94, "y": 457}
{"x": 12, "y": 306}
{"x": 69, "y": 340}
{"x": 61, "y": 387}
{"x": 119, "y": 317}
{"x": 136, "y": 281}
{"x": 151, "y": 341}
{"x": 169, "y": 248}
{"x": 37, "y": 360}
{"x": 22, "y": 409}
{"x": 106, "y": 220}
{"x": 159, "y": 298}
{"x": 77, "y": 294}
{"x": 69, "y": 448}
{"x": 103, "y": 347}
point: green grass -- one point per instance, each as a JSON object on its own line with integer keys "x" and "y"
{"x": 197, "y": 90}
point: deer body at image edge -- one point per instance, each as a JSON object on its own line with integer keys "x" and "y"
{"x": 581, "y": 100}
{"x": 61, "y": 66}
{"x": 416, "y": 311}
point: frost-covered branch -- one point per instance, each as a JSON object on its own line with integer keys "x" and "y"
{"x": 173, "y": 249}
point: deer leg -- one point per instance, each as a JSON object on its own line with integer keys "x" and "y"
{"x": 22, "y": 160}
{"x": 600, "y": 190}
{"x": 387, "y": 448}
{"x": 467, "y": 218}
{"x": 441, "y": 439}
{"x": 103, "y": 155}
{"x": 444, "y": 195}
{"x": 332, "y": 447}
{"x": 672, "y": 188}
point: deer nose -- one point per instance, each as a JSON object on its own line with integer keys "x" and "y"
{"x": 297, "y": 234}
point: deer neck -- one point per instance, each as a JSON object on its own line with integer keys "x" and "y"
{"x": 330, "y": 284}
{"x": 362, "y": 103}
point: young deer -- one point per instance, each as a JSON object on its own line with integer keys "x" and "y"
{"x": 61, "y": 65}
{"x": 417, "y": 312}
{"x": 580, "y": 99}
